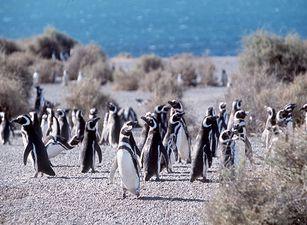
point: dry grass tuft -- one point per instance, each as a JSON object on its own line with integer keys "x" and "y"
{"x": 125, "y": 81}
{"x": 148, "y": 63}
{"x": 86, "y": 95}
{"x": 49, "y": 70}
{"x": 8, "y": 47}
{"x": 274, "y": 195}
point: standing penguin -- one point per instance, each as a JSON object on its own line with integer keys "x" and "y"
{"x": 74, "y": 122}
{"x": 161, "y": 115}
{"x": 35, "y": 146}
{"x": 153, "y": 150}
{"x": 183, "y": 140}
{"x": 44, "y": 125}
{"x": 144, "y": 133}
{"x": 214, "y": 133}
{"x": 304, "y": 109}
{"x": 104, "y": 138}
{"x": 53, "y": 124}
{"x": 36, "y": 124}
{"x": 63, "y": 122}
{"x": 89, "y": 147}
{"x": 127, "y": 161}
{"x": 80, "y": 128}
{"x": 202, "y": 154}
{"x": 236, "y": 106}
{"x": 129, "y": 114}
{"x": 114, "y": 124}
{"x": 5, "y": 128}
{"x": 170, "y": 138}
{"x": 93, "y": 114}
{"x": 39, "y": 100}
{"x": 284, "y": 118}
{"x": 227, "y": 148}
{"x": 223, "y": 117}
{"x": 270, "y": 123}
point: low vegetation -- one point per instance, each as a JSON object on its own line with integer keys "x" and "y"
{"x": 276, "y": 194}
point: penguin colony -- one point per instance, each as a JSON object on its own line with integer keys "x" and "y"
{"x": 47, "y": 132}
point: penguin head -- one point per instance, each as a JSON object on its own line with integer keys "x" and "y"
{"x": 165, "y": 108}
{"x": 241, "y": 114}
{"x": 210, "y": 111}
{"x": 158, "y": 109}
{"x": 61, "y": 113}
{"x": 79, "y": 114}
{"x": 226, "y": 135}
{"x": 91, "y": 124}
{"x": 112, "y": 107}
{"x": 289, "y": 107}
{"x": 150, "y": 120}
{"x": 304, "y": 108}
{"x": 127, "y": 127}
{"x": 176, "y": 117}
{"x": 176, "y": 104}
{"x": 208, "y": 121}
{"x": 50, "y": 111}
{"x": 222, "y": 106}
{"x": 23, "y": 120}
{"x": 39, "y": 90}
{"x": 33, "y": 115}
{"x": 237, "y": 104}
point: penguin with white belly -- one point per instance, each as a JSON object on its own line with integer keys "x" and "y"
{"x": 104, "y": 138}
{"x": 223, "y": 117}
{"x": 161, "y": 115}
{"x": 63, "y": 123}
{"x": 153, "y": 150}
{"x": 89, "y": 147}
{"x": 127, "y": 161}
{"x": 214, "y": 133}
{"x": 202, "y": 154}
{"x": 114, "y": 124}
{"x": 5, "y": 129}
{"x": 79, "y": 129}
{"x": 53, "y": 124}
{"x": 35, "y": 147}
{"x": 236, "y": 106}
{"x": 183, "y": 140}
{"x": 227, "y": 148}
{"x": 144, "y": 133}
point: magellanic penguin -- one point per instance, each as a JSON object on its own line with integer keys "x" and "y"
{"x": 214, "y": 133}
{"x": 74, "y": 122}
{"x": 153, "y": 150}
{"x": 243, "y": 147}
{"x": 285, "y": 121}
{"x": 170, "y": 139}
{"x": 5, "y": 129}
{"x": 304, "y": 109}
{"x": 127, "y": 161}
{"x": 80, "y": 128}
{"x": 89, "y": 147}
{"x": 269, "y": 125}
{"x": 35, "y": 146}
{"x": 53, "y": 124}
{"x": 63, "y": 122}
{"x": 183, "y": 140}
{"x": 44, "y": 125}
{"x": 36, "y": 124}
{"x": 223, "y": 117}
{"x": 144, "y": 133}
{"x": 104, "y": 138}
{"x": 39, "y": 100}
{"x": 161, "y": 115}
{"x": 202, "y": 154}
{"x": 236, "y": 106}
{"x": 128, "y": 114}
{"x": 114, "y": 124}
{"x": 226, "y": 144}
{"x": 93, "y": 114}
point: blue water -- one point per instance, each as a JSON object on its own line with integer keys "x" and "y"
{"x": 163, "y": 27}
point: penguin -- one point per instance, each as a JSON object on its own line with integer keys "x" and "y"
{"x": 183, "y": 140}
{"x": 170, "y": 139}
{"x": 104, "y": 133}
{"x": 270, "y": 123}
{"x": 53, "y": 124}
{"x": 5, "y": 128}
{"x": 127, "y": 161}
{"x": 65, "y": 78}
{"x": 63, "y": 123}
{"x": 243, "y": 147}
{"x": 129, "y": 115}
{"x": 93, "y": 114}
{"x": 80, "y": 77}
{"x": 161, "y": 115}
{"x": 223, "y": 117}
{"x": 153, "y": 150}
{"x": 89, "y": 147}
{"x": 79, "y": 129}
{"x": 114, "y": 124}
{"x": 39, "y": 100}
{"x": 35, "y": 147}
{"x": 36, "y": 124}
{"x": 44, "y": 125}
{"x": 214, "y": 133}
{"x": 285, "y": 121}
{"x": 144, "y": 133}
{"x": 202, "y": 154}
{"x": 236, "y": 106}
{"x": 304, "y": 109}
{"x": 226, "y": 144}
{"x": 56, "y": 145}
{"x": 74, "y": 122}
{"x": 36, "y": 78}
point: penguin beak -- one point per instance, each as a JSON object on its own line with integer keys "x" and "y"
{"x": 16, "y": 120}
{"x": 145, "y": 119}
{"x": 171, "y": 103}
{"x": 95, "y": 120}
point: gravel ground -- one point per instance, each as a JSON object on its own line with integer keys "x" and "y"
{"x": 74, "y": 198}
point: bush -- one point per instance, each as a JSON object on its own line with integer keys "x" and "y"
{"x": 148, "y": 63}
{"x": 8, "y": 47}
{"x": 86, "y": 95}
{"x": 14, "y": 69}
{"x": 91, "y": 61}
{"x": 125, "y": 81}
{"x": 281, "y": 57}
{"x": 51, "y": 42}
{"x": 49, "y": 70}
{"x": 274, "y": 195}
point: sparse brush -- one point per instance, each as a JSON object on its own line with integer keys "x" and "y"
{"x": 275, "y": 195}
{"x": 281, "y": 57}
{"x": 91, "y": 61}
{"x": 125, "y": 81}
{"x": 49, "y": 70}
{"x": 148, "y": 63}
{"x": 51, "y": 42}
{"x": 86, "y": 95}
{"x": 8, "y": 47}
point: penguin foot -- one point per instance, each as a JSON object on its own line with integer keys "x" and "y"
{"x": 35, "y": 175}
{"x": 157, "y": 178}
{"x": 205, "y": 180}
{"x": 94, "y": 171}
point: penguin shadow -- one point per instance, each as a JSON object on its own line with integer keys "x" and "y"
{"x": 77, "y": 178}
{"x": 65, "y": 166}
{"x": 176, "y": 199}
{"x": 173, "y": 180}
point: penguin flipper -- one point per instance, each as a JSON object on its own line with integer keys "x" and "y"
{"x": 98, "y": 150}
{"x": 26, "y": 153}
